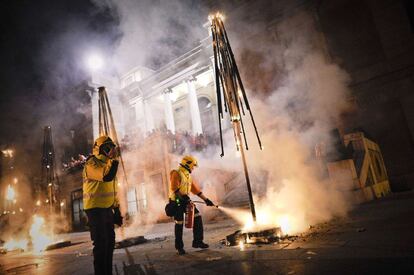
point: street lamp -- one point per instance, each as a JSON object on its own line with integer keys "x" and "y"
{"x": 94, "y": 62}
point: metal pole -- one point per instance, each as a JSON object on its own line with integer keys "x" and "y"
{"x": 246, "y": 171}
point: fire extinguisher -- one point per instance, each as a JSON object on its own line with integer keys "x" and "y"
{"x": 189, "y": 215}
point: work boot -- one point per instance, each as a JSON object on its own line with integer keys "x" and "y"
{"x": 200, "y": 245}
{"x": 180, "y": 251}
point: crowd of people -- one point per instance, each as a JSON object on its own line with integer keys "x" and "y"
{"x": 75, "y": 163}
{"x": 178, "y": 142}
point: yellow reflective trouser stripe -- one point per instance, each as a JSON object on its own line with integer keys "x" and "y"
{"x": 179, "y": 222}
{"x": 197, "y": 215}
{"x": 99, "y": 195}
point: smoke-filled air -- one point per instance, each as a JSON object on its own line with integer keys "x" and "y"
{"x": 308, "y": 95}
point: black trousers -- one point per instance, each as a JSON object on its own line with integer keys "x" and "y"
{"x": 101, "y": 226}
{"x": 198, "y": 232}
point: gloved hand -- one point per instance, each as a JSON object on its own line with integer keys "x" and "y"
{"x": 118, "y": 217}
{"x": 209, "y": 202}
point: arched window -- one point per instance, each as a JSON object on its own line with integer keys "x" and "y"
{"x": 206, "y": 115}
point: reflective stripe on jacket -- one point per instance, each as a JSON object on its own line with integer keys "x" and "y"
{"x": 98, "y": 193}
{"x": 181, "y": 180}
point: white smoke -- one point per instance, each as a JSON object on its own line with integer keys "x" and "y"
{"x": 309, "y": 95}
{"x": 297, "y": 115}
{"x": 154, "y": 32}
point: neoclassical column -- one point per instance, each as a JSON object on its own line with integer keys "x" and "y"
{"x": 194, "y": 109}
{"x": 168, "y": 111}
{"x": 140, "y": 114}
{"x": 149, "y": 119}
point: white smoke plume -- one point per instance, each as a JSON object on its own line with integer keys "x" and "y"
{"x": 309, "y": 94}
{"x": 308, "y": 102}
{"x": 154, "y": 32}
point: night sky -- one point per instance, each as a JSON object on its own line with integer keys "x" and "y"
{"x": 43, "y": 50}
{"x": 42, "y": 43}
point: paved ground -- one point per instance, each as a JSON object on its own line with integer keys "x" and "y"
{"x": 376, "y": 238}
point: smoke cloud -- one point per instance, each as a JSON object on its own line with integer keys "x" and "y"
{"x": 305, "y": 105}
{"x": 154, "y": 32}
{"x": 297, "y": 96}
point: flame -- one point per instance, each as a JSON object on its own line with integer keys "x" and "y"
{"x": 16, "y": 244}
{"x": 40, "y": 239}
{"x": 265, "y": 218}
{"x": 10, "y": 194}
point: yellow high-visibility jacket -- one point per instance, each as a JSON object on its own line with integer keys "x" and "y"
{"x": 97, "y": 192}
{"x": 182, "y": 181}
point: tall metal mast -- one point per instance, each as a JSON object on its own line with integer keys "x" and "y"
{"x": 107, "y": 125}
{"x": 49, "y": 179}
{"x": 229, "y": 87}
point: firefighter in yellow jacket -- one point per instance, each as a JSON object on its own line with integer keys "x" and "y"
{"x": 181, "y": 184}
{"x": 100, "y": 201}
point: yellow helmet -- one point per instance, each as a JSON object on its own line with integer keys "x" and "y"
{"x": 189, "y": 162}
{"x": 99, "y": 142}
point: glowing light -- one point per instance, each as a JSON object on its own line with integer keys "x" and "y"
{"x": 15, "y": 180}
{"x": 10, "y": 194}
{"x": 38, "y": 203}
{"x": 218, "y": 15}
{"x": 94, "y": 62}
{"x": 46, "y": 201}
{"x": 266, "y": 218}
{"x": 62, "y": 204}
{"x": 50, "y": 184}
{"x": 21, "y": 209}
{"x": 8, "y": 153}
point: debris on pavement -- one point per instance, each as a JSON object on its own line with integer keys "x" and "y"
{"x": 58, "y": 245}
{"x": 267, "y": 236}
{"x": 210, "y": 259}
{"x": 80, "y": 254}
{"x": 130, "y": 242}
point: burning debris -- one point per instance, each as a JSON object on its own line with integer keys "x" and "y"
{"x": 266, "y": 236}
{"x": 39, "y": 239}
